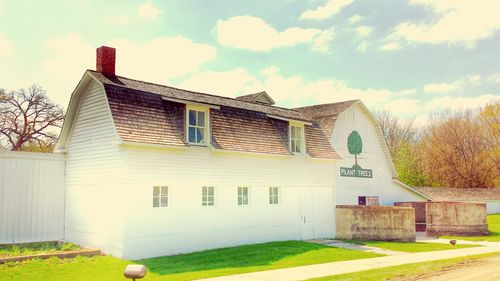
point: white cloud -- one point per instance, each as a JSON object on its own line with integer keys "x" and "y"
{"x": 441, "y": 87}
{"x": 459, "y": 22}
{"x": 161, "y": 58}
{"x": 364, "y": 30}
{"x": 6, "y": 45}
{"x": 493, "y": 78}
{"x": 60, "y": 73}
{"x": 331, "y": 8}
{"x": 156, "y": 60}
{"x": 148, "y": 11}
{"x": 285, "y": 90}
{"x": 407, "y": 92}
{"x": 270, "y": 70}
{"x": 230, "y": 83}
{"x": 253, "y": 33}
{"x": 390, "y": 46}
{"x": 457, "y": 103}
{"x": 362, "y": 47}
{"x": 322, "y": 42}
{"x": 122, "y": 19}
{"x": 454, "y": 86}
{"x": 403, "y": 106}
{"x": 355, "y": 19}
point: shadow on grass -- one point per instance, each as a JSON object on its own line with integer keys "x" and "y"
{"x": 242, "y": 256}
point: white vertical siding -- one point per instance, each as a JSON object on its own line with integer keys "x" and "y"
{"x": 94, "y": 176}
{"x": 186, "y": 226}
{"x": 31, "y": 197}
{"x": 372, "y": 157}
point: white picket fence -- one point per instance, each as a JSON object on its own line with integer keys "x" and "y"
{"x": 31, "y": 197}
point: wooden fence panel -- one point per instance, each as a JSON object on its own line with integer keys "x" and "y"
{"x": 31, "y": 197}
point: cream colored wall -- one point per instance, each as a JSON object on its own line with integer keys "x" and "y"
{"x": 184, "y": 226}
{"x": 95, "y": 178}
{"x": 381, "y": 184}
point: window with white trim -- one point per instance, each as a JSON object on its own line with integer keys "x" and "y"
{"x": 160, "y": 196}
{"x": 296, "y": 139}
{"x": 197, "y": 126}
{"x": 242, "y": 195}
{"x": 208, "y": 196}
{"x": 274, "y": 195}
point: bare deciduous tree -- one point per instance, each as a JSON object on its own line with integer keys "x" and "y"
{"x": 395, "y": 131}
{"x": 458, "y": 152}
{"x": 28, "y": 118}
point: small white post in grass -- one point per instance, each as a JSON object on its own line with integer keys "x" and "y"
{"x": 135, "y": 271}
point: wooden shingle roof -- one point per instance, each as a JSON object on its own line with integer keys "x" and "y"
{"x": 143, "y": 115}
{"x": 460, "y": 194}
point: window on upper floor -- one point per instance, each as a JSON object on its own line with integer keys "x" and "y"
{"x": 197, "y": 126}
{"x": 160, "y": 196}
{"x": 296, "y": 139}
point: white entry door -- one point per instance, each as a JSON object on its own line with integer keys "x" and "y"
{"x": 306, "y": 214}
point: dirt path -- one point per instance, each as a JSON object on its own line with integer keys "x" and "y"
{"x": 486, "y": 269}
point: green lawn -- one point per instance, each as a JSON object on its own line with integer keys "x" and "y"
{"x": 35, "y": 248}
{"x": 411, "y": 247}
{"x": 204, "y": 264}
{"x": 493, "y": 227}
{"x": 402, "y": 272}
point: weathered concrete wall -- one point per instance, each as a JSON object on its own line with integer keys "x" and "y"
{"x": 419, "y": 213}
{"x": 383, "y": 223}
{"x": 456, "y": 218}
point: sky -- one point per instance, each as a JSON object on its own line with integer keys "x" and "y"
{"x": 412, "y": 57}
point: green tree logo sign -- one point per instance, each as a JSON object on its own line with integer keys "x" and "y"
{"x": 355, "y": 147}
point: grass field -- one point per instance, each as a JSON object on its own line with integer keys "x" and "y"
{"x": 493, "y": 227}
{"x": 412, "y": 247}
{"x": 403, "y": 272}
{"x": 35, "y": 248}
{"x": 204, "y": 264}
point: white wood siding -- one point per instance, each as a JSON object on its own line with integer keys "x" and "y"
{"x": 31, "y": 197}
{"x": 372, "y": 157}
{"x": 493, "y": 207}
{"x": 94, "y": 176}
{"x": 186, "y": 226}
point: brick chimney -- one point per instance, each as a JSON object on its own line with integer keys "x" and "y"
{"x": 105, "y": 62}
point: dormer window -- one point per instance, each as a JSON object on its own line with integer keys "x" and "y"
{"x": 296, "y": 139}
{"x": 197, "y": 124}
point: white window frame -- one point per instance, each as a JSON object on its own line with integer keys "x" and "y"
{"x": 206, "y": 129}
{"x": 205, "y": 202}
{"x": 243, "y": 199}
{"x": 276, "y": 196}
{"x": 161, "y": 195}
{"x": 301, "y": 139}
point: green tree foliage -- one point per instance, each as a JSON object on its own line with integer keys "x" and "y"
{"x": 409, "y": 165}
{"x": 355, "y": 147}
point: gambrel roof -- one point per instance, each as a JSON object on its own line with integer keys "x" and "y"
{"x": 326, "y": 115}
{"x": 155, "y": 114}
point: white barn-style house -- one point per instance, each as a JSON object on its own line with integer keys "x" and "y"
{"x": 153, "y": 170}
